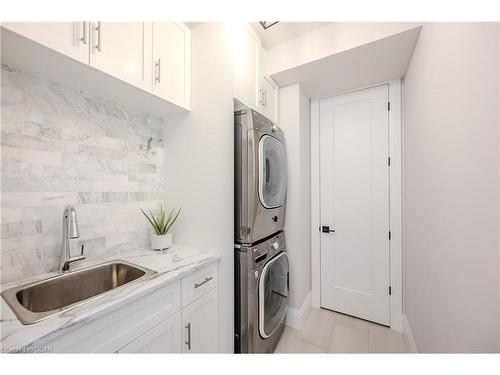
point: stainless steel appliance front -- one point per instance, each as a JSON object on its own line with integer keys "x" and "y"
{"x": 261, "y": 295}
{"x": 260, "y": 176}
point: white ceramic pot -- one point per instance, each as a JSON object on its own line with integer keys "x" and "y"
{"x": 161, "y": 242}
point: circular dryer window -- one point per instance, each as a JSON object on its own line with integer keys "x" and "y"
{"x": 272, "y": 172}
{"x": 273, "y": 294}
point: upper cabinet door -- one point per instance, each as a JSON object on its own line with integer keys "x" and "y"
{"x": 68, "y": 38}
{"x": 247, "y": 61}
{"x": 269, "y": 100}
{"x": 123, "y": 50}
{"x": 172, "y": 62}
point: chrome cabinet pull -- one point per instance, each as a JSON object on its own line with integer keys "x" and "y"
{"x": 99, "y": 30}
{"x": 83, "y": 39}
{"x": 261, "y": 100}
{"x": 207, "y": 279}
{"x": 188, "y": 342}
{"x": 265, "y": 97}
{"x": 158, "y": 71}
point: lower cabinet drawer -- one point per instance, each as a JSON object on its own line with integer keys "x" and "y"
{"x": 163, "y": 338}
{"x": 198, "y": 283}
{"x": 119, "y": 327}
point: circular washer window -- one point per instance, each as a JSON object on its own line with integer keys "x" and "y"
{"x": 272, "y": 172}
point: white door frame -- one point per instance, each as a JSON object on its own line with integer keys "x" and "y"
{"x": 395, "y": 202}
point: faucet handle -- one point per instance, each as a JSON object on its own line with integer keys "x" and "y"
{"x": 79, "y": 257}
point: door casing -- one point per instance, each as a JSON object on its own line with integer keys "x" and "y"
{"x": 395, "y": 202}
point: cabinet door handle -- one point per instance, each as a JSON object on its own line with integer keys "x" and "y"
{"x": 207, "y": 279}
{"x": 265, "y": 98}
{"x": 261, "y": 99}
{"x": 99, "y": 32}
{"x": 188, "y": 342}
{"x": 84, "y": 33}
{"x": 158, "y": 71}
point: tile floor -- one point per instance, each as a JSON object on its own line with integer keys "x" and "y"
{"x": 329, "y": 332}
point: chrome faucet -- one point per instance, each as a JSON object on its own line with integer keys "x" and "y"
{"x": 69, "y": 231}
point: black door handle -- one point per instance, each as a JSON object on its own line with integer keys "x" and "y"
{"x": 326, "y": 229}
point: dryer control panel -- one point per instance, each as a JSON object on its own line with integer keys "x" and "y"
{"x": 258, "y": 254}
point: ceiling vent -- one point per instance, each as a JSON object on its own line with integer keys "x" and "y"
{"x": 267, "y": 24}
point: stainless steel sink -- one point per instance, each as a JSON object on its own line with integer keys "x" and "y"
{"x": 40, "y": 300}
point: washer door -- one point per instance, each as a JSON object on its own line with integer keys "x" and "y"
{"x": 272, "y": 172}
{"x": 273, "y": 294}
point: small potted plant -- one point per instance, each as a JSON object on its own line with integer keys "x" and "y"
{"x": 161, "y": 238}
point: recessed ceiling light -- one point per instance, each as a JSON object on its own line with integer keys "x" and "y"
{"x": 267, "y": 24}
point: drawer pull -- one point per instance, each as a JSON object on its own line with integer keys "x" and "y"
{"x": 188, "y": 342}
{"x": 83, "y": 39}
{"x": 207, "y": 279}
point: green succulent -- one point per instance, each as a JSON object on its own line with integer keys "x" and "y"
{"x": 162, "y": 223}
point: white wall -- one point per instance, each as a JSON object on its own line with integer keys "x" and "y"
{"x": 328, "y": 40}
{"x": 295, "y": 122}
{"x": 199, "y": 163}
{"x": 451, "y": 195}
{"x": 499, "y": 192}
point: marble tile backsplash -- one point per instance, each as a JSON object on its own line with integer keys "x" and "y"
{"x": 62, "y": 146}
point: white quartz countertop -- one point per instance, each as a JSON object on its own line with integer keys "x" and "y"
{"x": 170, "y": 265}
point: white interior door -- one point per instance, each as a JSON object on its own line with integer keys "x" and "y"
{"x": 354, "y": 142}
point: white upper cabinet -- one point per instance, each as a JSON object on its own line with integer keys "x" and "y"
{"x": 172, "y": 62}
{"x": 247, "y": 65}
{"x": 155, "y": 57}
{"x": 69, "y": 38}
{"x": 121, "y": 49}
{"x": 251, "y": 87}
{"x": 269, "y": 99}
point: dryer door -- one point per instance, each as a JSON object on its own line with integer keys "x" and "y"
{"x": 272, "y": 172}
{"x": 273, "y": 294}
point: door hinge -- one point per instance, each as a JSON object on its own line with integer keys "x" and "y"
{"x": 388, "y": 106}
{"x": 390, "y": 235}
{"x": 390, "y": 291}
{"x": 389, "y": 161}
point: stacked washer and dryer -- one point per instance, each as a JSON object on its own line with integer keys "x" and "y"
{"x": 261, "y": 262}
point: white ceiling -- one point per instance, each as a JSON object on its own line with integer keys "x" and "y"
{"x": 379, "y": 61}
{"x": 283, "y": 31}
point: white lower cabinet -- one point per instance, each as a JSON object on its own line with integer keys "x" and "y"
{"x": 164, "y": 338}
{"x": 195, "y": 329}
{"x": 179, "y": 317}
{"x": 200, "y": 325}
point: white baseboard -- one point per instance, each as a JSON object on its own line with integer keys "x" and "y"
{"x": 295, "y": 318}
{"x": 408, "y": 335}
